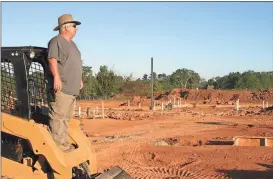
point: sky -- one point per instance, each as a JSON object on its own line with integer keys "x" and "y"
{"x": 211, "y": 38}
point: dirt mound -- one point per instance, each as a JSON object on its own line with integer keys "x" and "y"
{"x": 207, "y": 96}
{"x": 263, "y": 95}
{"x": 165, "y": 97}
{"x": 136, "y": 100}
{"x": 243, "y": 111}
{"x": 267, "y": 111}
{"x": 249, "y": 111}
{"x": 219, "y": 96}
{"x": 131, "y": 116}
{"x": 177, "y": 90}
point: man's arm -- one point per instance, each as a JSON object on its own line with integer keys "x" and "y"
{"x": 53, "y": 65}
{"x": 81, "y": 84}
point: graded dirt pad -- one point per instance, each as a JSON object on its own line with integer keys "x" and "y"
{"x": 187, "y": 143}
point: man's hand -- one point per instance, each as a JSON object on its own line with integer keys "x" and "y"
{"x": 57, "y": 83}
{"x": 81, "y": 84}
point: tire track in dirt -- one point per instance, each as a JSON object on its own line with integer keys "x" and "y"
{"x": 133, "y": 152}
{"x": 205, "y": 171}
{"x": 131, "y": 163}
{"x": 129, "y": 152}
{"x": 165, "y": 172}
{"x": 159, "y": 173}
{"x": 171, "y": 172}
{"x": 208, "y": 168}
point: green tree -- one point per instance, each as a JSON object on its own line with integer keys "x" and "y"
{"x": 141, "y": 88}
{"x": 89, "y": 82}
{"x": 184, "y": 78}
{"x": 145, "y": 77}
{"x": 249, "y": 80}
{"x": 233, "y": 78}
{"x": 106, "y": 81}
{"x": 211, "y": 81}
{"x": 158, "y": 87}
{"x": 119, "y": 82}
{"x": 162, "y": 76}
{"x": 266, "y": 80}
{"x": 154, "y": 76}
{"x": 203, "y": 83}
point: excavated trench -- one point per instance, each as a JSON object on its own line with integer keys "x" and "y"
{"x": 191, "y": 142}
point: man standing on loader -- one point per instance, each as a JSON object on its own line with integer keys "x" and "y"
{"x": 66, "y": 68}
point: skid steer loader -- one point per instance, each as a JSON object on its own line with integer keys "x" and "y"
{"x": 28, "y": 151}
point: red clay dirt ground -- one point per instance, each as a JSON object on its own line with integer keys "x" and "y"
{"x": 177, "y": 144}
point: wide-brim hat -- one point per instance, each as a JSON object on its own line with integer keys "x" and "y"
{"x": 64, "y": 19}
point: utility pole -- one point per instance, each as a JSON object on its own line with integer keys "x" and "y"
{"x": 152, "y": 80}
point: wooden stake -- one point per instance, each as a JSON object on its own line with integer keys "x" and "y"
{"x": 94, "y": 113}
{"x": 88, "y": 111}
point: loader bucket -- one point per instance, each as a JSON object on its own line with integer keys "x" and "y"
{"x": 114, "y": 173}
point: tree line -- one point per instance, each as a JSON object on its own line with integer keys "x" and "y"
{"x": 107, "y": 83}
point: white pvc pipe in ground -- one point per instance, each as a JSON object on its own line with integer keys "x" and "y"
{"x": 162, "y": 106}
{"x": 79, "y": 112}
{"x": 237, "y": 105}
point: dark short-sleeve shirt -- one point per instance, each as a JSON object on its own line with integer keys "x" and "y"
{"x": 69, "y": 61}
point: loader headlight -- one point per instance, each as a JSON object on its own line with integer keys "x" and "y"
{"x": 32, "y": 54}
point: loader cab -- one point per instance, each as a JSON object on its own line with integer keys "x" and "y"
{"x": 25, "y": 82}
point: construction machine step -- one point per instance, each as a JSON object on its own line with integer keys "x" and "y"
{"x": 114, "y": 173}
